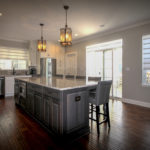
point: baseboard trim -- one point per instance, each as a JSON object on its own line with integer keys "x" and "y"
{"x": 135, "y": 102}
{"x": 9, "y": 94}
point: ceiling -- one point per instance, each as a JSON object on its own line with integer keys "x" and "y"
{"x": 21, "y": 18}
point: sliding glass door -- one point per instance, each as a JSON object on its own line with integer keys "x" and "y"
{"x": 117, "y": 72}
{"x": 107, "y": 64}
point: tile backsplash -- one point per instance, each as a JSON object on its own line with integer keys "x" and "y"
{"x": 10, "y": 72}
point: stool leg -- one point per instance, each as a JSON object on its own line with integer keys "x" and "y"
{"x": 107, "y": 111}
{"x": 104, "y": 110}
{"x": 97, "y": 118}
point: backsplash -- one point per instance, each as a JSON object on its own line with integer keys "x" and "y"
{"x": 10, "y": 72}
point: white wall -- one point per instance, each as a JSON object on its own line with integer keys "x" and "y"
{"x": 34, "y": 55}
{"x": 132, "y": 59}
{"x": 14, "y": 44}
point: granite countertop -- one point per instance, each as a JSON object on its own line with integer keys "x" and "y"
{"x": 59, "y": 83}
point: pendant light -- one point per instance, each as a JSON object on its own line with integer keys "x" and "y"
{"x": 66, "y": 33}
{"x": 41, "y": 43}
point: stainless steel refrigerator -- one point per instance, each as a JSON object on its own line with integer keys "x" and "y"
{"x": 47, "y": 67}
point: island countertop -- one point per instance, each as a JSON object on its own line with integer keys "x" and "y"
{"x": 59, "y": 83}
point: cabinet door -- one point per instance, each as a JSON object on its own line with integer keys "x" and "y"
{"x": 55, "y": 121}
{"x": 30, "y": 102}
{"x": 9, "y": 86}
{"x": 47, "y": 111}
{"x": 22, "y": 102}
{"x": 77, "y": 110}
{"x": 16, "y": 95}
{"x": 38, "y": 106}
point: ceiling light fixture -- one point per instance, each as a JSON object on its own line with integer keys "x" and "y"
{"x": 66, "y": 33}
{"x": 76, "y": 34}
{"x": 41, "y": 43}
{"x": 1, "y": 14}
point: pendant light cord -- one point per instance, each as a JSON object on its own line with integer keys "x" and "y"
{"x": 41, "y": 31}
{"x": 66, "y": 17}
{"x": 66, "y": 8}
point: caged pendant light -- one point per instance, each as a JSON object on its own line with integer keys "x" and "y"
{"x": 66, "y": 33}
{"x": 41, "y": 43}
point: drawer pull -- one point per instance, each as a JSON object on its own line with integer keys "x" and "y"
{"x": 77, "y": 98}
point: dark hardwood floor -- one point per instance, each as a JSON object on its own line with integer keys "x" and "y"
{"x": 130, "y": 130}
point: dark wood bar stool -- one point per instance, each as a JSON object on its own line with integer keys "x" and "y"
{"x": 100, "y": 97}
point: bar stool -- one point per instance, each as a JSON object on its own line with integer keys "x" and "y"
{"x": 100, "y": 97}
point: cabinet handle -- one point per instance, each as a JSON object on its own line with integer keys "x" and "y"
{"x": 77, "y": 98}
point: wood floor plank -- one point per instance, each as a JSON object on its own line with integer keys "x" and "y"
{"x": 130, "y": 130}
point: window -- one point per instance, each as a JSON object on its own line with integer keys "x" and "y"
{"x": 5, "y": 64}
{"x": 13, "y": 58}
{"x": 146, "y": 60}
{"x": 20, "y": 64}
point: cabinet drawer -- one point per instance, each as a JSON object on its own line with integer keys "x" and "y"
{"x": 51, "y": 93}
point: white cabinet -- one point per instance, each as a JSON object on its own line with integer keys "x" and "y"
{"x": 9, "y": 84}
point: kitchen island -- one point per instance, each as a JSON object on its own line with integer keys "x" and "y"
{"x": 60, "y": 105}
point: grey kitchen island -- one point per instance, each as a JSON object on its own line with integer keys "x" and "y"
{"x": 60, "y": 105}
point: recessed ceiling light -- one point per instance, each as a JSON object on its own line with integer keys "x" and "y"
{"x": 102, "y": 25}
{"x": 1, "y": 14}
{"x": 76, "y": 34}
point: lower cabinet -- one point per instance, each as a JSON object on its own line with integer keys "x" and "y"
{"x": 44, "y": 108}
{"x": 16, "y": 95}
{"x": 52, "y": 113}
{"x": 47, "y": 111}
{"x": 77, "y": 110}
{"x": 55, "y": 121}
{"x": 22, "y": 102}
{"x": 38, "y": 106}
{"x": 30, "y": 102}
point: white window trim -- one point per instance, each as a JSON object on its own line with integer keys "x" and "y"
{"x": 22, "y": 54}
{"x": 144, "y": 84}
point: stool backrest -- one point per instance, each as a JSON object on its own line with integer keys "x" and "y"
{"x": 102, "y": 92}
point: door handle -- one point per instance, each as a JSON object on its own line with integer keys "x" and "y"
{"x": 77, "y": 98}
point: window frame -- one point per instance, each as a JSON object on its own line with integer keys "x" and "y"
{"x": 144, "y": 84}
{"x": 14, "y": 54}
{"x": 12, "y": 64}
